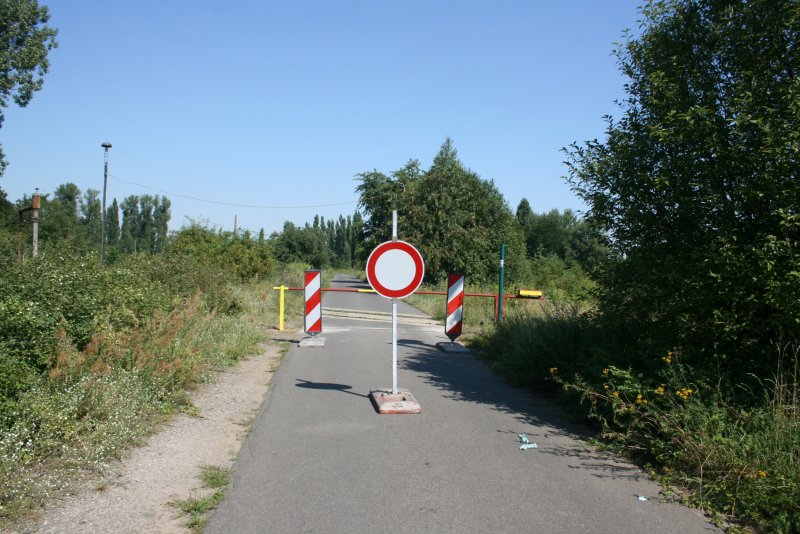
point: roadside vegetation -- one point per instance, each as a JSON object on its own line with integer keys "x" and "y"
{"x": 92, "y": 358}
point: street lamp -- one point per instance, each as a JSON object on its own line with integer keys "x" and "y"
{"x": 105, "y": 146}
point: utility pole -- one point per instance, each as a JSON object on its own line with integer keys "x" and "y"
{"x": 105, "y": 146}
{"x": 36, "y": 204}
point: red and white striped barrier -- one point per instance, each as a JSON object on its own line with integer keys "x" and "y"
{"x": 455, "y": 306}
{"x": 313, "y": 295}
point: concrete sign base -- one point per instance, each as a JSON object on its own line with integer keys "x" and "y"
{"x": 315, "y": 341}
{"x": 386, "y": 403}
{"x": 446, "y": 346}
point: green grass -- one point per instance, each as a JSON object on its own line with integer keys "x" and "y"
{"x": 213, "y": 477}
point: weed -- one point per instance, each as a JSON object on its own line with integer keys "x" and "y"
{"x": 197, "y": 508}
{"x": 213, "y": 477}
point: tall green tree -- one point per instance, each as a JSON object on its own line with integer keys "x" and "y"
{"x": 129, "y": 229}
{"x": 60, "y": 216}
{"x": 697, "y": 184}
{"x": 147, "y": 231}
{"x": 456, "y": 219}
{"x": 91, "y": 219}
{"x": 25, "y": 41}
{"x": 306, "y": 244}
{"x": 459, "y": 221}
{"x": 161, "y": 217}
{"x": 524, "y": 213}
{"x": 358, "y": 249}
{"x": 380, "y": 194}
{"x": 112, "y": 224}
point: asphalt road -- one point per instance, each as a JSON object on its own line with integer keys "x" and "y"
{"x": 321, "y": 459}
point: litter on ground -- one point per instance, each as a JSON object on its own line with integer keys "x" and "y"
{"x": 526, "y": 443}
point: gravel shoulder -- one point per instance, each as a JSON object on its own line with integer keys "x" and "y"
{"x": 134, "y": 497}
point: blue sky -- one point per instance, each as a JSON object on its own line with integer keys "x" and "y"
{"x": 281, "y": 104}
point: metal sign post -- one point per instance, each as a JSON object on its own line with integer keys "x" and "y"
{"x": 500, "y": 288}
{"x": 395, "y": 270}
{"x": 394, "y": 316}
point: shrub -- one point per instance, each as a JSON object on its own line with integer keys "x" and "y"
{"x": 238, "y": 256}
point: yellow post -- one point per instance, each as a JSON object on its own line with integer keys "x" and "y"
{"x": 281, "y": 306}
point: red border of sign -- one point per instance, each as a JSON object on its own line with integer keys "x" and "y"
{"x": 419, "y": 266}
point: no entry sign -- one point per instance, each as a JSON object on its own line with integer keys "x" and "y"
{"x": 395, "y": 269}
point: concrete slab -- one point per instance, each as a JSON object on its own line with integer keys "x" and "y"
{"x": 315, "y": 341}
{"x": 387, "y": 403}
{"x": 455, "y": 348}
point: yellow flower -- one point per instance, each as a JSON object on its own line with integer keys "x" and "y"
{"x": 668, "y": 358}
{"x": 640, "y": 399}
{"x": 605, "y": 372}
{"x": 684, "y": 393}
{"x": 659, "y": 390}
{"x": 606, "y": 386}
{"x": 616, "y": 394}
{"x": 553, "y": 370}
{"x": 761, "y": 474}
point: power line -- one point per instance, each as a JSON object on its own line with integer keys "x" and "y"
{"x": 257, "y": 206}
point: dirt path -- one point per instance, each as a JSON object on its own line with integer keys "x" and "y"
{"x": 134, "y": 499}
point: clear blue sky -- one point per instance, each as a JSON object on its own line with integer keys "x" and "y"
{"x": 283, "y": 103}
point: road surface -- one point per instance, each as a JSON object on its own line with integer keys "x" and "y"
{"x": 321, "y": 459}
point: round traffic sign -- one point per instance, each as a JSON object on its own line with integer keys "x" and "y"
{"x": 395, "y": 269}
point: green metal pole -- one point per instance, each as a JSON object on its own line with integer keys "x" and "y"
{"x": 502, "y": 282}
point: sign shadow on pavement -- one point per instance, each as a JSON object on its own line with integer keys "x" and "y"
{"x": 344, "y": 388}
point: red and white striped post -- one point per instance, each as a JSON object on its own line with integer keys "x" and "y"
{"x": 455, "y": 306}
{"x": 313, "y": 295}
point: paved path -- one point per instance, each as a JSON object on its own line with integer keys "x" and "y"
{"x": 320, "y": 459}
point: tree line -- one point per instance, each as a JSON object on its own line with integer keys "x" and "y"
{"x": 140, "y": 223}
{"x": 322, "y": 244}
{"x": 457, "y": 219}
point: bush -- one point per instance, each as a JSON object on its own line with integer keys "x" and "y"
{"x": 66, "y": 295}
{"x": 238, "y": 256}
{"x": 71, "y": 292}
{"x": 526, "y": 346}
